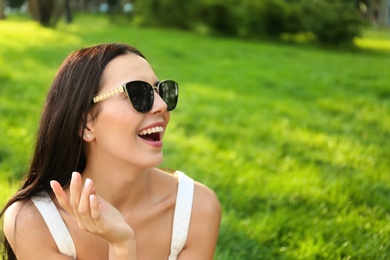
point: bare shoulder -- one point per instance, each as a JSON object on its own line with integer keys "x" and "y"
{"x": 205, "y": 199}
{"x": 18, "y": 217}
{"x": 206, "y": 202}
{"x": 204, "y": 226}
{"x": 23, "y": 218}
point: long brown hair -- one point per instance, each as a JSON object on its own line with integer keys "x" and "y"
{"x": 59, "y": 144}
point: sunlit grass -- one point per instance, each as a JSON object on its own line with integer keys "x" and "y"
{"x": 373, "y": 44}
{"x": 294, "y": 139}
{"x": 378, "y": 39}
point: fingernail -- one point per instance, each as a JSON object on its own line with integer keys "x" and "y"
{"x": 52, "y": 185}
{"x": 87, "y": 183}
{"x": 74, "y": 175}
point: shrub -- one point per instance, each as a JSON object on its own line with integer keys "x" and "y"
{"x": 166, "y": 13}
{"x": 273, "y": 17}
{"x": 220, "y": 17}
{"x": 330, "y": 21}
{"x": 15, "y": 3}
{"x": 296, "y": 18}
{"x": 245, "y": 18}
{"x": 252, "y": 22}
{"x": 337, "y": 22}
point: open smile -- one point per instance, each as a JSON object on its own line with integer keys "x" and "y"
{"x": 151, "y": 134}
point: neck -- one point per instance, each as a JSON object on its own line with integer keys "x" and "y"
{"x": 123, "y": 187}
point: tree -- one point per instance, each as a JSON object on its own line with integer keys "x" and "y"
{"x": 2, "y": 7}
{"x": 47, "y": 12}
{"x": 384, "y": 12}
{"x": 68, "y": 12}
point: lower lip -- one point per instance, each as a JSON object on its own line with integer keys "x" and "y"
{"x": 157, "y": 144}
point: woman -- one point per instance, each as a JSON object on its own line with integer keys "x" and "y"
{"x": 92, "y": 191}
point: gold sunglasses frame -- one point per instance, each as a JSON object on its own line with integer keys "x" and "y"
{"x": 115, "y": 91}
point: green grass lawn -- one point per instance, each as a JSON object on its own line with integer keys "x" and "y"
{"x": 294, "y": 139}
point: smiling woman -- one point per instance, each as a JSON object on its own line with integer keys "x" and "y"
{"x": 93, "y": 190}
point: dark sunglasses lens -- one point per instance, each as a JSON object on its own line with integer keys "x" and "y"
{"x": 141, "y": 95}
{"x": 169, "y": 91}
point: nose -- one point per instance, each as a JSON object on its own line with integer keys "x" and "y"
{"x": 159, "y": 105}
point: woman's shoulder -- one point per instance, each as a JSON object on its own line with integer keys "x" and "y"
{"x": 205, "y": 199}
{"x": 19, "y": 215}
{"x": 25, "y": 228}
{"x": 204, "y": 225}
{"x": 206, "y": 202}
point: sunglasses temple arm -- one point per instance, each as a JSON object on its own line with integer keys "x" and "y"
{"x": 111, "y": 93}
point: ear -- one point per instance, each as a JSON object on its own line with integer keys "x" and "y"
{"x": 87, "y": 133}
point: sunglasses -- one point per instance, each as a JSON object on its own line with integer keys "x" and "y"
{"x": 141, "y": 94}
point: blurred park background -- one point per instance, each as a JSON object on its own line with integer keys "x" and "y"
{"x": 284, "y": 109}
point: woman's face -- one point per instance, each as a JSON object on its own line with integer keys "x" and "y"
{"x": 119, "y": 131}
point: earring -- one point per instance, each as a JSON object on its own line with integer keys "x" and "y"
{"x": 88, "y": 135}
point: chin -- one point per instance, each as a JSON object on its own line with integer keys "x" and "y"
{"x": 154, "y": 161}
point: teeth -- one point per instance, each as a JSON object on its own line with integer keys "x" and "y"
{"x": 157, "y": 129}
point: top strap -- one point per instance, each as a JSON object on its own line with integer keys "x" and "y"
{"x": 181, "y": 220}
{"x": 182, "y": 215}
{"x": 55, "y": 223}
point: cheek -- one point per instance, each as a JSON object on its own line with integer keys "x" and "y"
{"x": 116, "y": 135}
{"x": 167, "y": 117}
{"x": 115, "y": 122}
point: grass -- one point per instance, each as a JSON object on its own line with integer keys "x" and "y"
{"x": 294, "y": 139}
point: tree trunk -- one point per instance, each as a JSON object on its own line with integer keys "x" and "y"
{"x": 384, "y": 13}
{"x": 47, "y": 12}
{"x": 2, "y": 7}
{"x": 45, "y": 9}
{"x": 58, "y": 11}
{"x": 68, "y": 12}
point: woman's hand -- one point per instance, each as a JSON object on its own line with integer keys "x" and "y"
{"x": 95, "y": 215}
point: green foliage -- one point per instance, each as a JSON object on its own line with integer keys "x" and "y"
{"x": 219, "y": 16}
{"x": 334, "y": 22}
{"x": 15, "y": 3}
{"x": 267, "y": 18}
{"x": 331, "y": 22}
{"x": 294, "y": 140}
{"x": 167, "y": 13}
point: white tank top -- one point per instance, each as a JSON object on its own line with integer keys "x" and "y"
{"x": 181, "y": 220}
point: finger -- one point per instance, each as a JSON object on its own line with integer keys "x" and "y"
{"x": 75, "y": 190}
{"x": 75, "y": 193}
{"x": 61, "y": 196}
{"x": 84, "y": 208}
{"x": 95, "y": 210}
{"x": 100, "y": 225}
{"x": 84, "y": 218}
